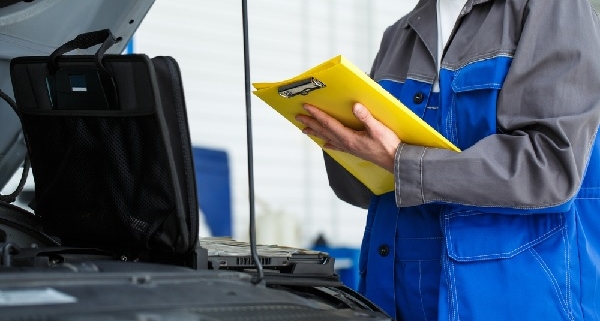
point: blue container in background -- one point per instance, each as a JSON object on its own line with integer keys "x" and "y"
{"x": 214, "y": 189}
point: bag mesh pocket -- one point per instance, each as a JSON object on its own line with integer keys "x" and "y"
{"x": 100, "y": 174}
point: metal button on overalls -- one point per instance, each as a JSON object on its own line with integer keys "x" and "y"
{"x": 384, "y": 250}
{"x": 418, "y": 98}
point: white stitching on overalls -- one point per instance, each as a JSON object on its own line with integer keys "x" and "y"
{"x": 565, "y": 235}
{"x": 464, "y": 213}
{"x": 484, "y": 86}
{"x": 455, "y": 308}
{"x": 553, "y": 281}
{"x": 453, "y": 126}
{"x": 397, "y": 170}
{"x": 424, "y": 110}
{"x": 453, "y": 297}
{"x": 421, "y": 174}
{"x": 444, "y": 260}
{"x": 503, "y": 254}
{"x": 452, "y": 129}
{"x": 449, "y": 121}
{"x": 421, "y": 293}
{"x": 393, "y": 251}
{"x": 448, "y": 290}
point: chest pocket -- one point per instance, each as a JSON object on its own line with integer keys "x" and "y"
{"x": 469, "y": 108}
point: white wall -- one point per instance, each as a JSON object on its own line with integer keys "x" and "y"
{"x": 286, "y": 37}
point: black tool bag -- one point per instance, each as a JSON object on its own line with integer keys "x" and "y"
{"x": 110, "y": 151}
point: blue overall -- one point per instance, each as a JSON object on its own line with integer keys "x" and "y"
{"x": 443, "y": 260}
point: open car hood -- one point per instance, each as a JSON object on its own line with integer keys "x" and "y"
{"x": 45, "y": 278}
{"x": 38, "y": 27}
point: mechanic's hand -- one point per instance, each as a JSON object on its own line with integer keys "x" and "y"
{"x": 376, "y": 143}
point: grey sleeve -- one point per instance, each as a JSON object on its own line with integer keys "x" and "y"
{"x": 548, "y": 114}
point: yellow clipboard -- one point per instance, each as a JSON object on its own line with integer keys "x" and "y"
{"x": 334, "y": 86}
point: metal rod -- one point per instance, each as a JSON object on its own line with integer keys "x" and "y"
{"x": 259, "y": 268}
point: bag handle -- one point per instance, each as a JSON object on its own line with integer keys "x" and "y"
{"x": 84, "y": 41}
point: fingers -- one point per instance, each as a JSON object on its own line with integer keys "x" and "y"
{"x": 314, "y": 128}
{"x": 325, "y": 127}
{"x": 376, "y": 143}
{"x": 325, "y": 121}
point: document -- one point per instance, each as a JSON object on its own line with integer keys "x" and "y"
{"x": 335, "y": 86}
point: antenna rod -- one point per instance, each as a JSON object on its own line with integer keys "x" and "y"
{"x": 260, "y": 275}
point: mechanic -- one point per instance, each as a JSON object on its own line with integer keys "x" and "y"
{"x": 508, "y": 228}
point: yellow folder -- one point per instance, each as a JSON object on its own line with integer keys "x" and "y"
{"x": 334, "y": 86}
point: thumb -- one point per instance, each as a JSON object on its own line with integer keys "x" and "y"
{"x": 363, "y": 114}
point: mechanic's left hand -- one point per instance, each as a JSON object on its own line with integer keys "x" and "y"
{"x": 376, "y": 143}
